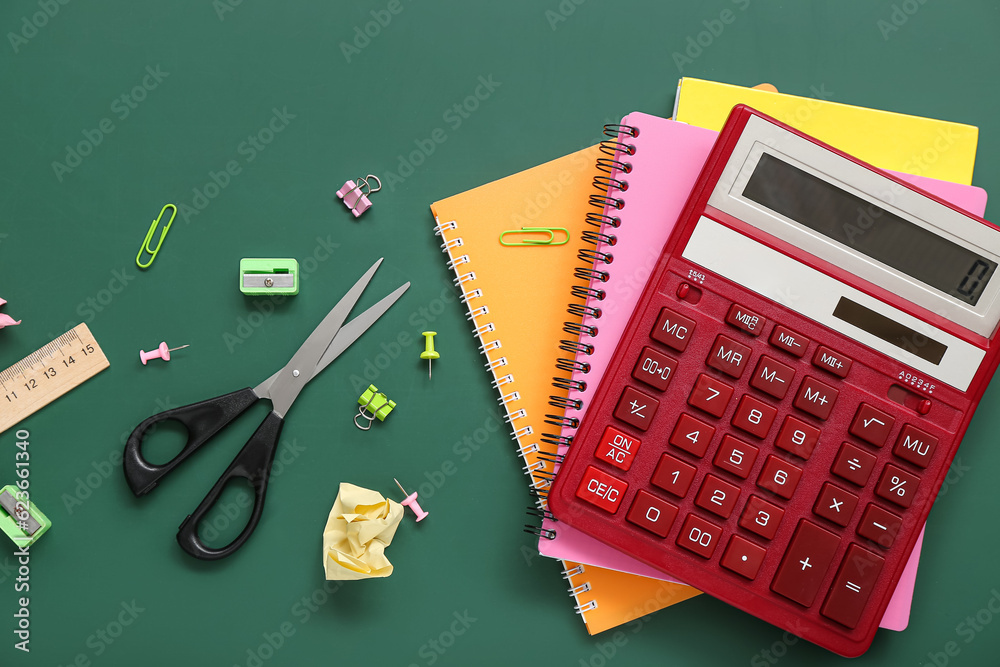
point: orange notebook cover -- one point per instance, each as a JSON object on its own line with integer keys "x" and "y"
{"x": 517, "y": 297}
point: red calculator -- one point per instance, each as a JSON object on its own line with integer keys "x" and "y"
{"x": 792, "y": 385}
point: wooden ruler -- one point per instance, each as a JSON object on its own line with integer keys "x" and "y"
{"x": 48, "y": 373}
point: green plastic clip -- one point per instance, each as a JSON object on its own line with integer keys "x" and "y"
{"x": 24, "y": 524}
{"x": 261, "y": 277}
{"x": 374, "y": 405}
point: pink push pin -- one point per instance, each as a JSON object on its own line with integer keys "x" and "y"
{"x": 411, "y": 501}
{"x": 162, "y": 352}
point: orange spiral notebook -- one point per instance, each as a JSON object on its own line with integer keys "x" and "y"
{"x": 516, "y": 297}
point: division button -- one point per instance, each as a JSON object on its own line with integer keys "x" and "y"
{"x": 636, "y": 408}
{"x": 853, "y": 464}
{"x": 852, "y": 586}
{"x": 805, "y": 564}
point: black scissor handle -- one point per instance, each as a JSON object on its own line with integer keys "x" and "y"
{"x": 202, "y": 420}
{"x": 253, "y": 463}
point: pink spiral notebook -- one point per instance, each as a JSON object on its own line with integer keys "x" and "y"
{"x": 662, "y": 171}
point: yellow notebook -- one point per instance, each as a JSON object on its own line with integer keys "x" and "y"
{"x": 920, "y": 146}
{"x": 516, "y": 297}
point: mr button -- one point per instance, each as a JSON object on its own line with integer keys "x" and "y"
{"x": 601, "y": 489}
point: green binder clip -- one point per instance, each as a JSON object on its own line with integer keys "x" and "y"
{"x": 261, "y": 277}
{"x": 374, "y": 405}
{"x": 24, "y": 524}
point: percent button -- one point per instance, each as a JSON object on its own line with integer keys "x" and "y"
{"x": 897, "y": 486}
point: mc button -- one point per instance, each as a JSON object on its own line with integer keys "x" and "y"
{"x": 673, "y": 330}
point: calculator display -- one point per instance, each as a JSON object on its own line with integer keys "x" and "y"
{"x": 869, "y": 229}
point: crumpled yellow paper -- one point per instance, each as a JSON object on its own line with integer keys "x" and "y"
{"x": 361, "y": 525}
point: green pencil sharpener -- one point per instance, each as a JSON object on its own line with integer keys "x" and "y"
{"x": 22, "y": 522}
{"x": 261, "y": 277}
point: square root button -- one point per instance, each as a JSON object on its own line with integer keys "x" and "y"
{"x": 636, "y": 408}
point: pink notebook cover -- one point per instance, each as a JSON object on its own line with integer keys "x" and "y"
{"x": 668, "y": 158}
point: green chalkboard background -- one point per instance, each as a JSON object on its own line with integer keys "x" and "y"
{"x": 199, "y": 80}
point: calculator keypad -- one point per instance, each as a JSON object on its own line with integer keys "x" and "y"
{"x": 766, "y": 465}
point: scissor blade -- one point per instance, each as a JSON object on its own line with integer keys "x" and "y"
{"x": 300, "y": 369}
{"x": 348, "y": 333}
{"x": 353, "y": 329}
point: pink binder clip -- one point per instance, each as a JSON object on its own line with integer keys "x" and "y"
{"x": 355, "y": 195}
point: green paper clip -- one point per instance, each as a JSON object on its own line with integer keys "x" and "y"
{"x": 260, "y": 277}
{"x": 550, "y": 231}
{"x": 24, "y": 525}
{"x": 374, "y": 405}
{"x": 153, "y": 252}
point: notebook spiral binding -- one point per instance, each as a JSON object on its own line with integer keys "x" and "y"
{"x": 592, "y": 286}
{"x": 539, "y": 461}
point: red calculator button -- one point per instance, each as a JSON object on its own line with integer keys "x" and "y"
{"x": 617, "y": 448}
{"x": 805, "y": 564}
{"x": 897, "y": 485}
{"x": 601, "y": 489}
{"x": 654, "y": 368}
{"x": 835, "y": 504}
{"x": 691, "y": 435}
{"x": 673, "y": 330}
{"x": 772, "y": 377}
{"x": 735, "y": 456}
{"x": 728, "y": 356}
{"x": 789, "y": 341}
{"x": 636, "y": 408}
{"x": 816, "y": 398}
{"x": 797, "y": 437}
{"x": 744, "y": 319}
{"x": 853, "y": 464}
{"x": 651, "y": 513}
{"x": 673, "y": 475}
{"x": 743, "y": 557}
{"x": 915, "y": 446}
{"x": 853, "y": 586}
{"x": 717, "y": 497}
{"x": 710, "y": 395}
{"x": 699, "y": 536}
{"x": 779, "y": 477}
{"x": 872, "y": 425}
{"x": 761, "y": 517}
{"x": 753, "y": 416}
{"x": 829, "y": 360}
{"x": 880, "y": 526}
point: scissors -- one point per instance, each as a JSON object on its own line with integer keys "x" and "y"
{"x": 203, "y": 420}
